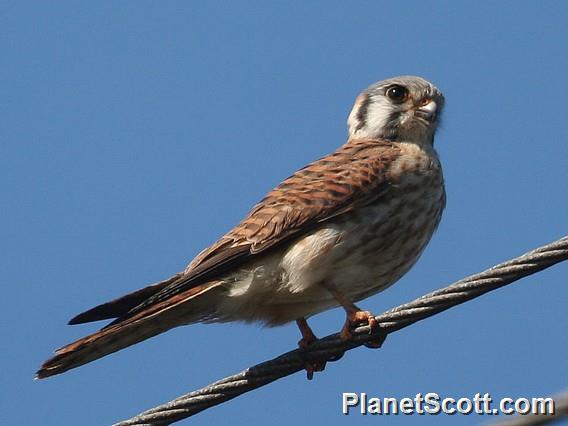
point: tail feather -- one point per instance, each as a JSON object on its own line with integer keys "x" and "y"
{"x": 184, "y": 308}
{"x": 120, "y": 307}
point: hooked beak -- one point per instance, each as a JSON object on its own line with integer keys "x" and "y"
{"x": 427, "y": 110}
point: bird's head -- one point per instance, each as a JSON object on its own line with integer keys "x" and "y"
{"x": 404, "y": 109}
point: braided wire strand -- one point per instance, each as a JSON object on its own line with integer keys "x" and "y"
{"x": 332, "y": 348}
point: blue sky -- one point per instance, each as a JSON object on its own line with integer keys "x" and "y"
{"x": 133, "y": 134}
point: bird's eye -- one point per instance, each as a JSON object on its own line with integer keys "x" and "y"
{"x": 397, "y": 93}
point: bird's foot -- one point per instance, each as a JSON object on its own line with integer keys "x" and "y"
{"x": 306, "y": 340}
{"x": 308, "y": 337}
{"x": 312, "y": 366}
{"x": 356, "y": 317}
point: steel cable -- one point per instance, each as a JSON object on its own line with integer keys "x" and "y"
{"x": 332, "y": 348}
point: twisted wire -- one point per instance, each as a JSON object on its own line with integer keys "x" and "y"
{"x": 332, "y": 348}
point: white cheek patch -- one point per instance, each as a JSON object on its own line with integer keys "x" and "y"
{"x": 378, "y": 115}
{"x": 376, "y": 118}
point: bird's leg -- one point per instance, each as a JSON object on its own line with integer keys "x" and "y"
{"x": 355, "y": 315}
{"x": 308, "y": 337}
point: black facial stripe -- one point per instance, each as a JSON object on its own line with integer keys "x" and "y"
{"x": 391, "y": 126}
{"x": 362, "y": 112}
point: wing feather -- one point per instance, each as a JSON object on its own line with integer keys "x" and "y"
{"x": 352, "y": 176}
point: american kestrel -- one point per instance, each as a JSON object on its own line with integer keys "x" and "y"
{"x": 342, "y": 228}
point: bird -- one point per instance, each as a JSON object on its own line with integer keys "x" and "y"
{"x": 335, "y": 232}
